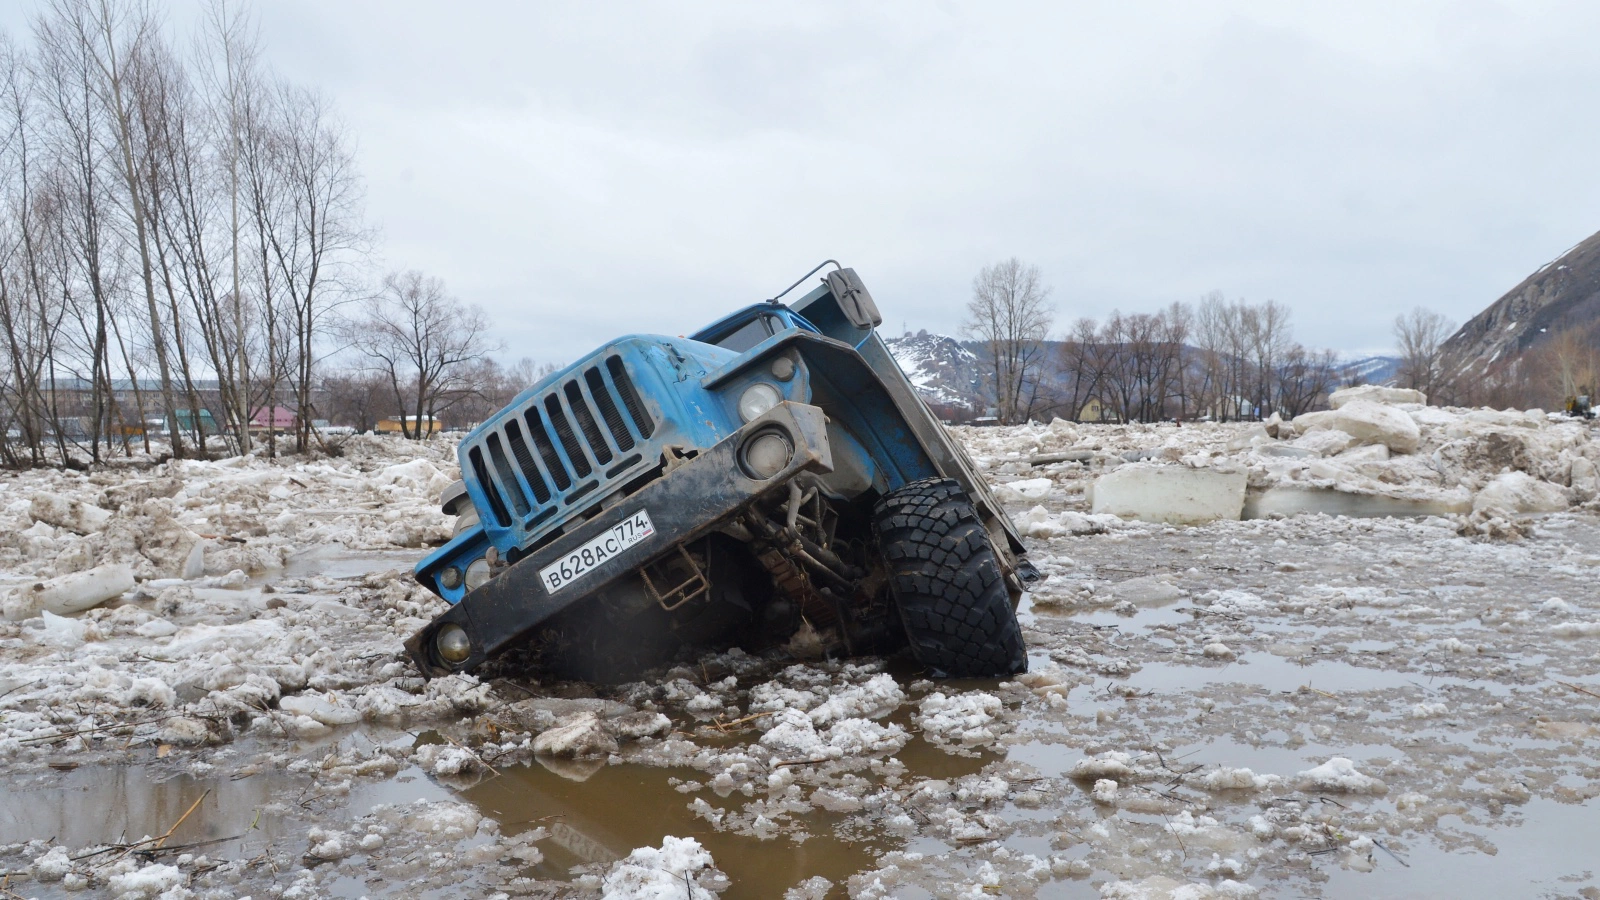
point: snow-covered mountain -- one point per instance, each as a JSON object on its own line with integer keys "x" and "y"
{"x": 1564, "y": 293}
{"x": 1379, "y": 370}
{"x": 944, "y": 371}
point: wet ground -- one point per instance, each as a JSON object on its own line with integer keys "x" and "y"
{"x": 1458, "y": 677}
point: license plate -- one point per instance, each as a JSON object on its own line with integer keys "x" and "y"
{"x": 583, "y": 560}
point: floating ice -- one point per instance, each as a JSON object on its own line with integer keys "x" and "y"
{"x": 1175, "y": 495}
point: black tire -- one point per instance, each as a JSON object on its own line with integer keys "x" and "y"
{"x": 946, "y": 582}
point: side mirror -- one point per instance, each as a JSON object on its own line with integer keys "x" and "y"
{"x": 854, "y": 301}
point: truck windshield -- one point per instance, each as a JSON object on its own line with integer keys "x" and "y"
{"x": 750, "y": 334}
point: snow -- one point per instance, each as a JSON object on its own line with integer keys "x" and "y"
{"x": 664, "y": 873}
{"x": 1342, "y": 653}
{"x": 1339, "y": 775}
{"x": 146, "y": 882}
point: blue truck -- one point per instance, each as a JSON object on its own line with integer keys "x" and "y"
{"x": 774, "y": 477}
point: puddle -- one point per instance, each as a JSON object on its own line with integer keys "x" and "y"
{"x": 1551, "y": 853}
{"x": 604, "y": 817}
{"x": 117, "y": 804}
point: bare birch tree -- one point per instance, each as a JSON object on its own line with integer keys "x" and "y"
{"x": 1010, "y": 314}
{"x": 422, "y": 342}
{"x": 1421, "y": 334}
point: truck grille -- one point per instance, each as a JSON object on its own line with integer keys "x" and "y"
{"x": 562, "y": 445}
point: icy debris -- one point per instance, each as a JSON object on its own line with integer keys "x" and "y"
{"x": 967, "y": 718}
{"x": 879, "y": 695}
{"x": 1324, "y": 442}
{"x": 1160, "y": 887}
{"x": 1576, "y": 629}
{"x": 327, "y": 845}
{"x": 1112, "y": 764}
{"x": 1175, "y": 495}
{"x": 649, "y": 873}
{"x": 65, "y": 512}
{"x": 67, "y": 594}
{"x": 1218, "y": 650}
{"x": 146, "y": 882}
{"x": 1105, "y": 791}
{"x": 1339, "y": 775}
{"x": 814, "y": 888}
{"x": 1372, "y": 423}
{"x": 1519, "y": 492}
{"x": 320, "y": 709}
{"x": 1373, "y": 393}
{"x": 443, "y": 819}
{"x": 1147, "y": 590}
{"x": 53, "y": 866}
{"x": 793, "y": 736}
{"x": 1227, "y": 779}
{"x": 1427, "y": 711}
{"x": 444, "y": 759}
{"x": 582, "y": 735}
{"x": 62, "y": 631}
{"x": 1024, "y": 490}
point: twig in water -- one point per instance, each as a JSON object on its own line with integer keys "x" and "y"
{"x": 192, "y": 807}
{"x": 20, "y": 687}
{"x": 1578, "y": 688}
{"x": 473, "y": 755}
{"x": 1380, "y": 846}
{"x": 1175, "y": 836}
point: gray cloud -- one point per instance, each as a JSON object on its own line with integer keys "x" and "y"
{"x": 582, "y": 170}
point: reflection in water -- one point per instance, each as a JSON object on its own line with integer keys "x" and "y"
{"x": 118, "y": 804}
{"x": 620, "y": 807}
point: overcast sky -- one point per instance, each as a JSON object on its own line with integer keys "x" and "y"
{"x": 583, "y": 170}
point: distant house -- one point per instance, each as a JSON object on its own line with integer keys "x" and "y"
{"x": 273, "y": 418}
{"x": 392, "y": 425}
{"x": 1095, "y": 411}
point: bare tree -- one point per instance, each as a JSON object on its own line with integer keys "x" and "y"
{"x": 1421, "y": 334}
{"x": 422, "y": 341}
{"x": 1010, "y": 314}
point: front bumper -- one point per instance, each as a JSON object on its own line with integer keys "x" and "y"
{"x": 684, "y": 505}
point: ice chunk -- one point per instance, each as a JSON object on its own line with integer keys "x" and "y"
{"x": 319, "y": 709}
{"x": 1229, "y": 779}
{"x": 1368, "y": 453}
{"x": 664, "y": 874}
{"x": 63, "y": 631}
{"x": 1373, "y": 393}
{"x": 1519, "y": 492}
{"x": 146, "y": 882}
{"x": 1171, "y": 494}
{"x": 1025, "y": 489}
{"x": 1324, "y": 441}
{"x": 1147, "y": 590}
{"x": 1160, "y": 887}
{"x": 52, "y": 866}
{"x": 64, "y": 512}
{"x": 1339, "y": 775}
{"x": 583, "y": 735}
{"x": 69, "y": 593}
{"x": 1371, "y": 423}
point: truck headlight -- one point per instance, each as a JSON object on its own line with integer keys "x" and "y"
{"x": 766, "y": 454}
{"x": 757, "y": 399}
{"x": 453, "y": 644}
{"x": 477, "y": 573}
{"x": 450, "y": 578}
